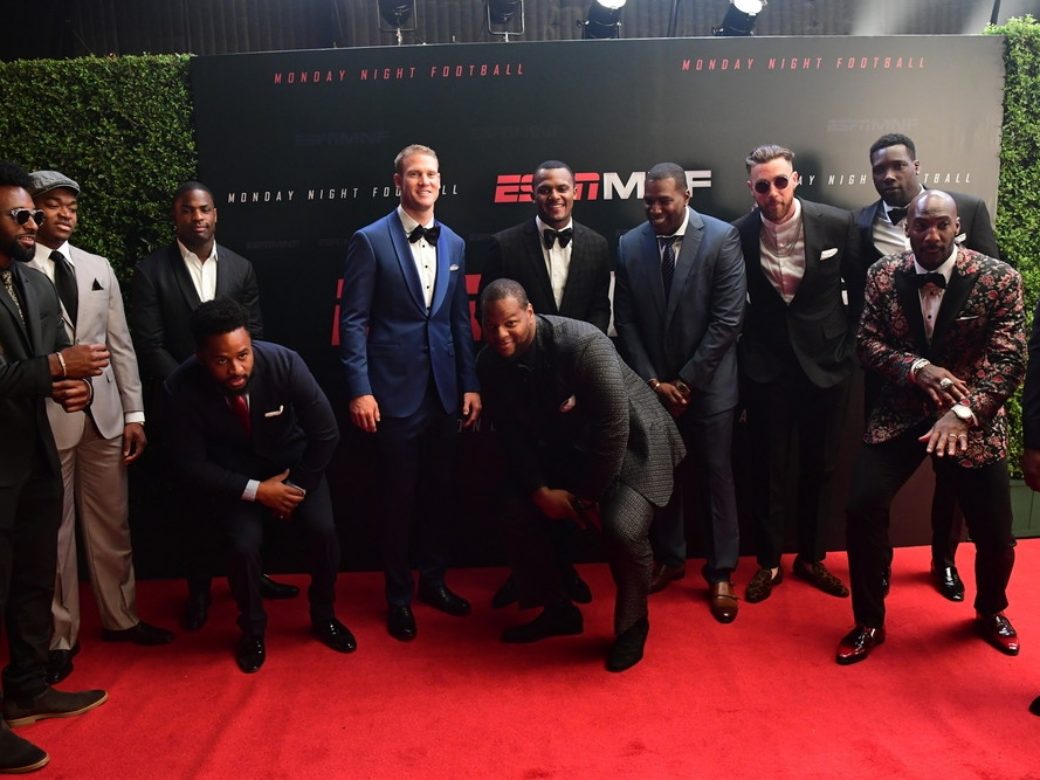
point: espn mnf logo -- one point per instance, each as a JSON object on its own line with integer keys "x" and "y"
{"x": 610, "y": 185}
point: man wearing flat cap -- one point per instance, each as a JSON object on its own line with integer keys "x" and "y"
{"x": 95, "y": 445}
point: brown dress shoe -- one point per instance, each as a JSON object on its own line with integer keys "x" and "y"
{"x": 856, "y": 645}
{"x": 662, "y": 575}
{"x": 723, "y": 602}
{"x": 815, "y": 573}
{"x": 998, "y": 631}
{"x": 762, "y": 584}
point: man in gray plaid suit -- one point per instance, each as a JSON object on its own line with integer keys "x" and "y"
{"x": 587, "y": 443}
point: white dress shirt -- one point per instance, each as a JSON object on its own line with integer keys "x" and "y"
{"x": 782, "y": 250}
{"x": 424, "y": 254}
{"x": 557, "y": 259}
{"x": 932, "y": 295}
{"x": 203, "y": 272}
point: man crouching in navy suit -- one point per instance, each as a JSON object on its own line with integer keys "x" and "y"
{"x": 249, "y": 431}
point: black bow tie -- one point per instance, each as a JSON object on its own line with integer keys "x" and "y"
{"x": 930, "y": 278}
{"x": 896, "y": 215}
{"x": 549, "y": 235}
{"x": 430, "y": 234}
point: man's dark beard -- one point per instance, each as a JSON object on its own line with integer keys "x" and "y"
{"x": 19, "y": 252}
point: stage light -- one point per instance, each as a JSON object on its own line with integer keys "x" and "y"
{"x": 603, "y": 20}
{"x": 500, "y": 14}
{"x": 740, "y": 17}
{"x": 397, "y": 14}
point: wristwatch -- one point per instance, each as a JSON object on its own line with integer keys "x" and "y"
{"x": 964, "y": 413}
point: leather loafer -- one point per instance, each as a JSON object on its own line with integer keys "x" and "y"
{"x": 761, "y": 585}
{"x": 856, "y": 645}
{"x": 559, "y": 620}
{"x": 439, "y": 597}
{"x": 627, "y": 649}
{"x": 335, "y": 635}
{"x": 51, "y": 703}
{"x": 723, "y": 602}
{"x": 196, "y": 612}
{"x": 948, "y": 582}
{"x": 817, "y": 575}
{"x": 17, "y": 755}
{"x": 662, "y": 575}
{"x": 400, "y": 622}
{"x": 140, "y": 634}
{"x": 269, "y": 589}
{"x": 59, "y": 664}
{"x": 998, "y": 631}
{"x": 250, "y": 653}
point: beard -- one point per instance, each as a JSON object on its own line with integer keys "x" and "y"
{"x": 18, "y": 252}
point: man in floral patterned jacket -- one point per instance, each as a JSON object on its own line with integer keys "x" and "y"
{"x": 944, "y": 327}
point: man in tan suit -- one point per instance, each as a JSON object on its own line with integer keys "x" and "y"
{"x": 95, "y": 446}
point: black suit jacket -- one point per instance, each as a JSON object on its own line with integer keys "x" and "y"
{"x": 25, "y": 377}
{"x": 293, "y": 426}
{"x": 818, "y": 328}
{"x": 163, "y": 298}
{"x": 516, "y": 253}
{"x": 976, "y": 228}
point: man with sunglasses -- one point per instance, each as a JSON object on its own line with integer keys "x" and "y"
{"x": 36, "y": 362}
{"x": 796, "y": 357}
{"x": 882, "y": 227}
{"x": 678, "y": 305}
{"x": 95, "y": 447}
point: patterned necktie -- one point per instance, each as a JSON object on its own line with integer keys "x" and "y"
{"x": 240, "y": 406}
{"x": 667, "y": 263}
{"x": 7, "y": 277}
{"x": 65, "y": 281}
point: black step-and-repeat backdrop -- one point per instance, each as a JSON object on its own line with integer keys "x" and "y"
{"x": 298, "y": 148}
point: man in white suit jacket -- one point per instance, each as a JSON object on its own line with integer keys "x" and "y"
{"x": 96, "y": 445}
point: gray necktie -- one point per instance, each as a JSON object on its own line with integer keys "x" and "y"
{"x": 7, "y": 277}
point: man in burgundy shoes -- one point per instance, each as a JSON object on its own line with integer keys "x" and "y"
{"x": 944, "y": 327}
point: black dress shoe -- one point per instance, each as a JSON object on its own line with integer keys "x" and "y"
{"x": 250, "y": 653}
{"x": 856, "y": 645}
{"x": 141, "y": 634}
{"x": 559, "y": 620}
{"x": 578, "y": 590}
{"x": 334, "y": 634}
{"x": 59, "y": 664}
{"x": 400, "y": 622}
{"x": 17, "y": 755}
{"x": 439, "y": 597}
{"x": 269, "y": 589}
{"x": 761, "y": 584}
{"x": 998, "y": 631}
{"x": 196, "y": 612}
{"x": 948, "y": 582}
{"x": 506, "y": 594}
{"x": 627, "y": 649}
{"x": 1035, "y": 706}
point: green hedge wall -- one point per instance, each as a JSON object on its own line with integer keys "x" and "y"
{"x": 1018, "y": 195}
{"x": 120, "y": 126}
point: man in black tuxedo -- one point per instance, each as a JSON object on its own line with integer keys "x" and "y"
{"x": 168, "y": 286}
{"x": 882, "y": 227}
{"x": 796, "y": 358}
{"x": 679, "y": 305}
{"x": 565, "y": 269}
{"x": 36, "y": 361}
{"x": 250, "y": 433}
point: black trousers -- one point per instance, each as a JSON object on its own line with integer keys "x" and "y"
{"x": 788, "y": 414}
{"x": 416, "y": 466}
{"x": 983, "y": 493}
{"x": 243, "y": 528}
{"x": 30, "y": 512}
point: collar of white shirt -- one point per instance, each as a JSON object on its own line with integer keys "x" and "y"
{"x": 409, "y": 223}
{"x": 542, "y": 227}
{"x": 188, "y": 255}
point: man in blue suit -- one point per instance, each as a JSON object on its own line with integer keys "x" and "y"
{"x": 408, "y": 357}
{"x": 678, "y": 309}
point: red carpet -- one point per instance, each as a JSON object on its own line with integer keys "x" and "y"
{"x": 761, "y": 697}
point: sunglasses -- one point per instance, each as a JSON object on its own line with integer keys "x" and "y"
{"x": 21, "y": 216}
{"x": 780, "y": 182}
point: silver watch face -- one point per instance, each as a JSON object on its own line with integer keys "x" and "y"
{"x": 962, "y": 412}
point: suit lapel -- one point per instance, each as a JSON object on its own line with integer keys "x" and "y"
{"x": 962, "y": 280}
{"x": 405, "y": 259}
{"x": 813, "y": 246}
{"x": 650, "y": 266}
{"x": 533, "y": 248}
{"x": 32, "y": 312}
{"x": 183, "y": 278}
{"x": 7, "y": 304}
{"x": 443, "y": 279}
{"x": 910, "y": 300}
{"x": 685, "y": 262}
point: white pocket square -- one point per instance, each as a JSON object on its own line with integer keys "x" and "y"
{"x": 453, "y": 268}
{"x": 826, "y": 254}
{"x": 275, "y": 412}
{"x": 969, "y": 317}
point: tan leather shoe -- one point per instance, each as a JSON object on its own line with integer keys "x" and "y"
{"x": 723, "y": 602}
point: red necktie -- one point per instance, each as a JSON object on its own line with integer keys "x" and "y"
{"x": 240, "y": 406}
